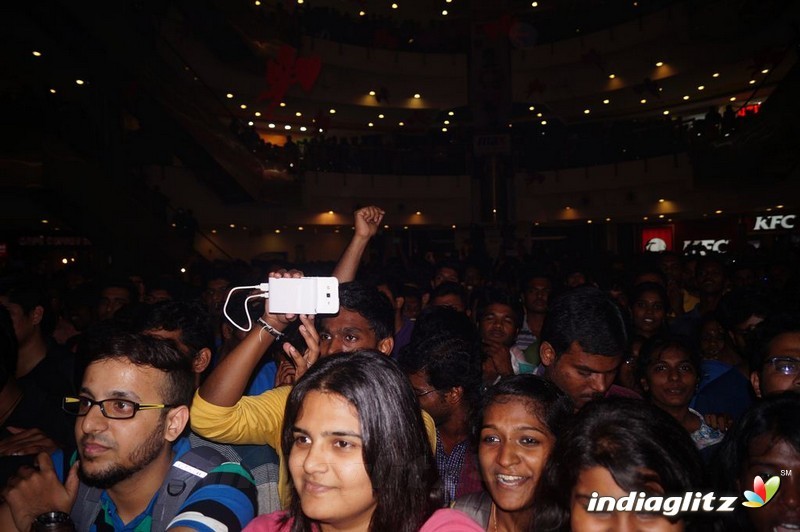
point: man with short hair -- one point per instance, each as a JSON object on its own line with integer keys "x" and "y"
{"x": 453, "y": 295}
{"x": 131, "y": 452}
{"x": 536, "y": 289}
{"x": 113, "y": 296}
{"x": 583, "y": 341}
{"x": 499, "y": 319}
{"x": 775, "y": 363}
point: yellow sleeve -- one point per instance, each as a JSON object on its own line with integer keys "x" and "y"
{"x": 430, "y": 428}
{"x": 254, "y": 420}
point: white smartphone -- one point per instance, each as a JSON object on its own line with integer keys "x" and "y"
{"x": 307, "y": 295}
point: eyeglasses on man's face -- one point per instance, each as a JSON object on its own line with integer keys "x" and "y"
{"x": 784, "y": 365}
{"x": 110, "y": 408}
{"x": 420, "y": 393}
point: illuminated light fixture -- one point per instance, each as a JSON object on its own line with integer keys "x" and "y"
{"x": 587, "y": 111}
{"x": 372, "y": 93}
{"x": 183, "y": 270}
{"x": 386, "y": 226}
{"x": 612, "y": 76}
{"x": 659, "y": 63}
{"x": 287, "y": 127}
{"x": 303, "y": 128}
{"x": 394, "y": 6}
{"x": 453, "y": 226}
{"x": 405, "y": 227}
{"x": 321, "y": 130}
{"x": 567, "y": 208}
{"x": 418, "y": 213}
{"x": 257, "y": 113}
{"x": 361, "y": 13}
{"x": 243, "y": 106}
{"x": 666, "y": 112}
{"x": 417, "y": 96}
{"x": 277, "y": 231}
{"x": 45, "y": 221}
{"x": 608, "y": 219}
{"x": 765, "y": 71}
{"x": 380, "y": 116}
{"x": 588, "y": 221}
{"x": 232, "y": 226}
{"x": 401, "y": 124}
{"x": 779, "y": 206}
{"x": 446, "y": 122}
{"x": 79, "y": 81}
{"x": 298, "y": 113}
{"x": 250, "y": 123}
{"x": 444, "y": 130}
{"x": 644, "y": 218}
{"x": 332, "y": 111}
{"x": 643, "y": 100}
{"x": 300, "y": 228}
{"x": 282, "y": 104}
{"x": 37, "y": 53}
{"x": 752, "y": 82}
{"x": 718, "y": 211}
{"x": 300, "y": 1}
{"x": 686, "y": 97}
{"x": 701, "y": 87}
{"x": 715, "y": 75}
{"x": 444, "y": 12}
{"x": 52, "y": 91}
{"x": 606, "y": 101}
{"x": 271, "y": 125}
{"x": 370, "y": 124}
{"x": 536, "y": 224}
{"x": 531, "y": 108}
{"x": 494, "y": 211}
{"x": 213, "y": 231}
{"x": 661, "y": 216}
{"x": 661, "y": 200}
{"x": 257, "y": 2}
{"x": 534, "y": 4}
{"x": 510, "y": 125}
{"x": 544, "y": 122}
{"x": 450, "y": 113}
{"x": 538, "y": 115}
{"x": 229, "y": 96}
{"x": 733, "y": 98}
{"x": 330, "y": 212}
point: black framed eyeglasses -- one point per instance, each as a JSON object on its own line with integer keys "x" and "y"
{"x": 419, "y": 393}
{"x": 110, "y": 408}
{"x": 785, "y": 365}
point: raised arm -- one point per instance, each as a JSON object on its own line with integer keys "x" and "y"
{"x": 367, "y": 222}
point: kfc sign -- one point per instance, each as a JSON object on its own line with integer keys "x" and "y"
{"x": 703, "y": 247}
{"x": 776, "y": 221}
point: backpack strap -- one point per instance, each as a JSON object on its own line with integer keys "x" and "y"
{"x": 86, "y": 507}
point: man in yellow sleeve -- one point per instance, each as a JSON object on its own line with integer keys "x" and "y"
{"x": 220, "y": 412}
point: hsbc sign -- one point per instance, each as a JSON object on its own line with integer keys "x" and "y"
{"x": 776, "y": 221}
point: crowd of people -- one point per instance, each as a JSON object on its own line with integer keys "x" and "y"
{"x": 446, "y": 398}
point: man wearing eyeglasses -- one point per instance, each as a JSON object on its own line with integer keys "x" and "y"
{"x": 776, "y": 361}
{"x": 131, "y": 412}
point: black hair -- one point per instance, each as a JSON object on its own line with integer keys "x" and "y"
{"x": 115, "y": 281}
{"x": 396, "y": 451}
{"x": 448, "y": 288}
{"x": 501, "y": 297}
{"x": 451, "y": 265}
{"x": 638, "y": 443}
{"x": 368, "y": 302}
{"x": 586, "y": 315}
{"x": 143, "y": 350}
{"x": 29, "y": 294}
{"x": 739, "y": 304}
{"x": 434, "y": 320}
{"x": 550, "y": 405}
{"x": 777, "y": 416}
{"x": 655, "y": 346}
{"x": 449, "y": 362}
{"x": 767, "y": 331}
{"x": 529, "y": 274}
{"x": 648, "y": 286}
{"x": 190, "y": 317}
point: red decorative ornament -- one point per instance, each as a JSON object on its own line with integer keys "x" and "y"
{"x": 286, "y": 70}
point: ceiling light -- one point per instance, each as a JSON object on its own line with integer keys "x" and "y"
{"x": 444, "y": 12}
{"x": 718, "y": 211}
{"x": 606, "y": 101}
{"x": 361, "y": 13}
{"x": 608, "y": 219}
{"x": 332, "y": 111}
{"x": 644, "y": 218}
{"x": 287, "y": 127}
{"x": 257, "y": 2}
{"x": 229, "y": 96}
{"x": 444, "y": 130}
{"x": 643, "y": 100}
{"x": 380, "y": 116}
{"x": 587, "y": 111}
{"x": 52, "y": 91}
{"x": 213, "y": 231}
{"x": 534, "y": 4}
{"x": 300, "y": 1}
{"x": 752, "y": 82}
{"x": 538, "y": 115}
{"x": 37, "y": 53}
{"x": 401, "y": 124}
{"x": 779, "y": 206}
{"x": 568, "y": 208}
{"x": 612, "y": 76}
{"x": 733, "y": 98}
{"x": 372, "y": 93}
{"x": 417, "y": 96}
{"x": 588, "y": 221}
{"x": 370, "y": 124}
{"x": 544, "y": 122}
{"x": 257, "y": 113}
{"x": 765, "y": 71}
{"x": 666, "y": 111}
{"x": 303, "y": 128}
{"x": 299, "y": 227}
{"x": 243, "y": 106}
{"x": 661, "y": 216}
{"x": 278, "y": 231}
{"x": 250, "y": 123}
{"x": 660, "y": 63}
{"x": 232, "y": 226}
{"x": 661, "y": 200}
{"x": 715, "y": 75}
{"x": 283, "y": 104}
{"x": 79, "y": 81}
{"x": 298, "y": 113}
{"x": 394, "y": 6}
{"x": 451, "y": 113}
{"x": 418, "y": 213}
{"x": 271, "y": 126}
{"x": 701, "y": 87}
{"x": 686, "y": 97}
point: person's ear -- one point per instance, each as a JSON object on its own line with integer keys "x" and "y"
{"x": 454, "y": 395}
{"x": 37, "y": 314}
{"x": 386, "y": 345}
{"x": 547, "y": 354}
{"x": 755, "y": 380}
{"x": 201, "y": 360}
{"x": 177, "y": 419}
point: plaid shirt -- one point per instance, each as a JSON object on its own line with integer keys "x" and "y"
{"x": 459, "y": 470}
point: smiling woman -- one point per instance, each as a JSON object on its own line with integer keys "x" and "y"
{"x": 358, "y": 454}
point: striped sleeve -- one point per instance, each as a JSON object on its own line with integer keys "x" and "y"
{"x": 225, "y": 500}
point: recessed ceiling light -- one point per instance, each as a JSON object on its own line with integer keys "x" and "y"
{"x": 718, "y": 211}
{"x": 278, "y": 231}
{"x": 779, "y": 206}
{"x": 372, "y": 93}
{"x": 444, "y": 130}
{"x": 287, "y": 127}
{"x": 79, "y": 81}
{"x": 765, "y": 71}
{"x": 661, "y": 216}
{"x": 229, "y": 96}
{"x": 37, "y": 53}
{"x": 332, "y": 111}
{"x": 733, "y": 98}
{"x": 661, "y": 200}
{"x": 612, "y": 76}
{"x": 444, "y": 12}
{"x": 417, "y": 96}
{"x": 394, "y": 6}
{"x": 606, "y": 101}
{"x": 446, "y": 122}
{"x": 752, "y": 82}
{"x": 587, "y": 111}
{"x": 544, "y": 122}
{"x": 250, "y": 123}
{"x": 370, "y": 124}
{"x": 298, "y": 113}
{"x": 282, "y": 104}
{"x": 232, "y": 226}
{"x": 701, "y": 87}
{"x": 401, "y": 124}
{"x": 451, "y": 113}
{"x": 608, "y": 219}
{"x": 538, "y": 115}
{"x": 380, "y": 116}
{"x": 644, "y": 218}
{"x": 715, "y": 75}
{"x": 686, "y": 97}
{"x": 660, "y": 63}
{"x": 361, "y": 13}
{"x": 257, "y": 113}
{"x": 531, "y": 108}
{"x": 534, "y": 4}
{"x": 666, "y": 111}
{"x": 643, "y": 100}
{"x": 303, "y": 128}
{"x": 257, "y": 2}
{"x": 243, "y": 106}
{"x": 271, "y": 126}
{"x": 52, "y": 91}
